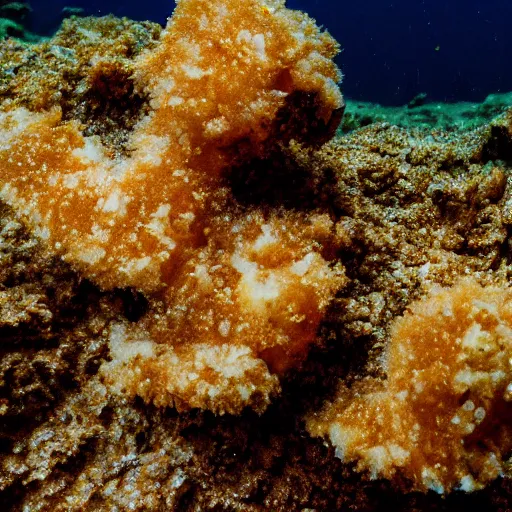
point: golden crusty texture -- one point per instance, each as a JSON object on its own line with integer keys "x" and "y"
{"x": 232, "y": 292}
{"x": 68, "y": 443}
{"x": 410, "y": 209}
{"x": 441, "y": 418}
{"x": 212, "y": 83}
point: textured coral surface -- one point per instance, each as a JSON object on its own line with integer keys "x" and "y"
{"x": 442, "y": 416}
{"x": 400, "y": 210}
{"x": 229, "y": 289}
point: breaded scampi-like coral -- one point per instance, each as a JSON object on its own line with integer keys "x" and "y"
{"x": 257, "y": 289}
{"x": 441, "y": 420}
{"x": 221, "y": 281}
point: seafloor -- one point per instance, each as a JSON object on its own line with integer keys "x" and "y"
{"x": 406, "y": 196}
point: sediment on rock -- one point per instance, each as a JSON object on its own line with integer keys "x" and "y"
{"x": 409, "y": 211}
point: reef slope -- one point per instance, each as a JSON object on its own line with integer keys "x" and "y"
{"x": 409, "y": 209}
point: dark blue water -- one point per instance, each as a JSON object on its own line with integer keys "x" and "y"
{"x": 453, "y": 50}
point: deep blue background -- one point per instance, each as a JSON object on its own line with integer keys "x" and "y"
{"x": 453, "y": 50}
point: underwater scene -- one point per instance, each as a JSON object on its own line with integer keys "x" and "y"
{"x": 255, "y": 255}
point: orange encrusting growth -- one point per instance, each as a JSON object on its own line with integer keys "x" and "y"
{"x": 262, "y": 284}
{"x": 220, "y": 75}
{"x": 441, "y": 420}
{"x": 212, "y": 82}
{"x": 253, "y": 295}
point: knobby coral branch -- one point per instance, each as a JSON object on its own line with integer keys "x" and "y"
{"x": 441, "y": 420}
{"x": 232, "y": 292}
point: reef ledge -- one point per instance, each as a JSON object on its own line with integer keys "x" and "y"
{"x": 223, "y": 304}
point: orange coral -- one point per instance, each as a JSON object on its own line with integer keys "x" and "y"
{"x": 441, "y": 420}
{"x": 218, "y": 282}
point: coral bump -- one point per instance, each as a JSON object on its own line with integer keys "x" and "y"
{"x": 236, "y": 295}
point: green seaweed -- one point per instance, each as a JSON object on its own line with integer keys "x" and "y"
{"x": 428, "y": 116}
{"x": 12, "y": 18}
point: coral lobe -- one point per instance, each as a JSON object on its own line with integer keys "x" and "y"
{"x": 217, "y": 80}
{"x": 440, "y": 419}
{"x": 200, "y": 306}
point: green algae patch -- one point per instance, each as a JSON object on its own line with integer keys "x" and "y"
{"x": 426, "y": 116}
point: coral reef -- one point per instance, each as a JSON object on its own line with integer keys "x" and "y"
{"x": 442, "y": 418}
{"x": 400, "y": 210}
{"x": 229, "y": 289}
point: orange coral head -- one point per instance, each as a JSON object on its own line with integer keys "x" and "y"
{"x": 442, "y": 418}
{"x": 221, "y": 75}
